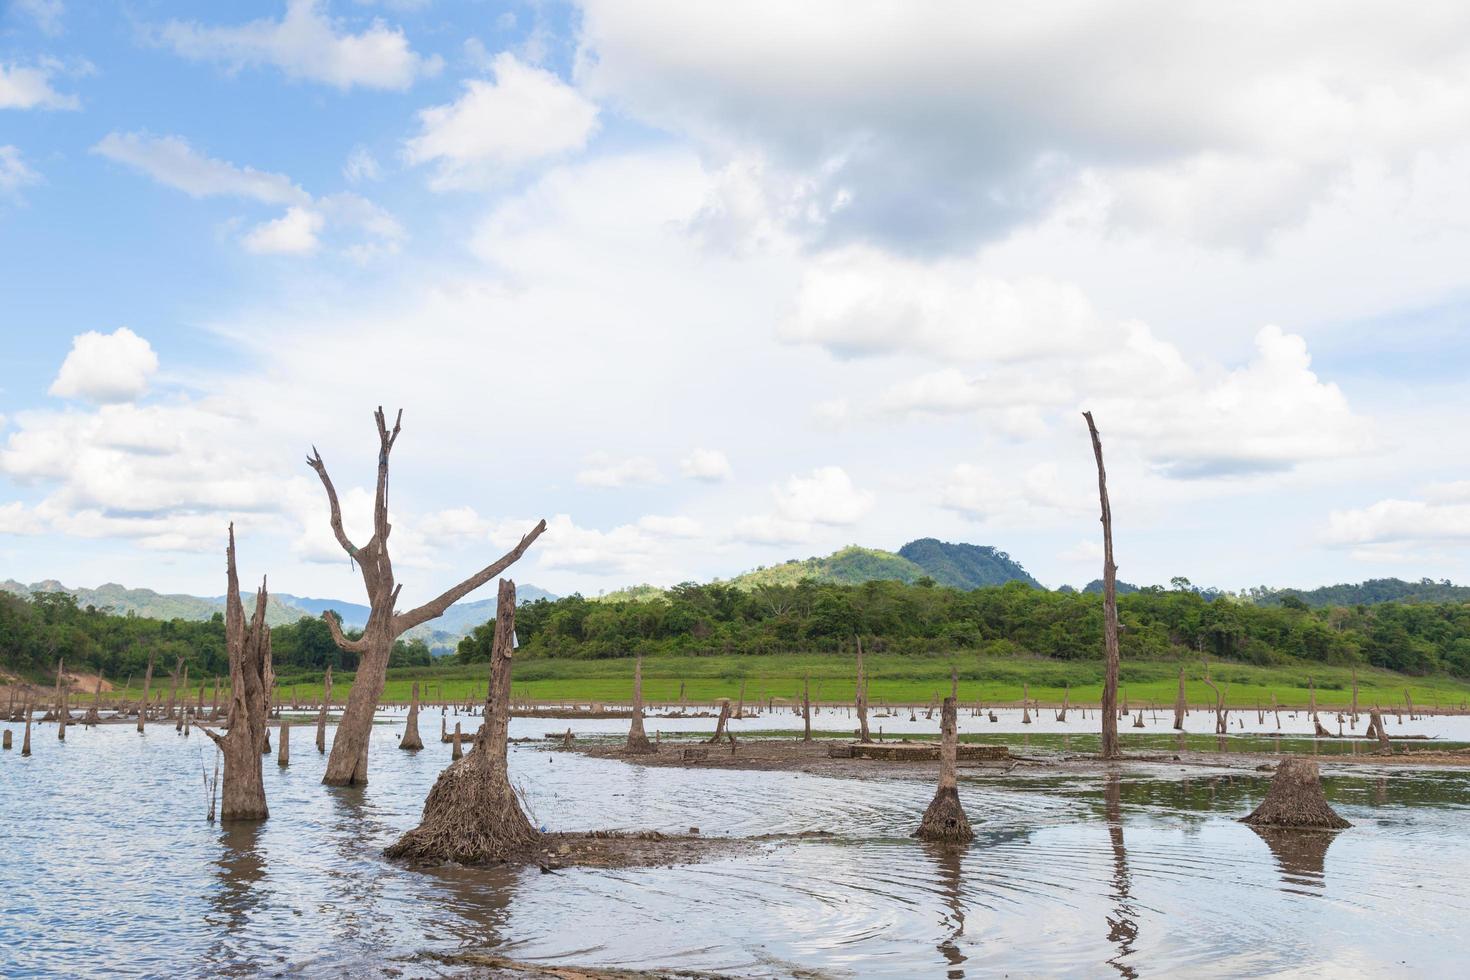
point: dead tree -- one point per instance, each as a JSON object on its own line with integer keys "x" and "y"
{"x": 249, "y": 650}
{"x": 1066, "y": 698}
{"x": 321, "y": 716}
{"x": 25, "y": 745}
{"x": 173, "y": 688}
{"x": 1181, "y": 704}
{"x": 348, "y": 762}
{"x": 945, "y": 819}
{"x": 862, "y": 695}
{"x": 472, "y": 814}
{"x": 721, "y": 722}
{"x": 1221, "y": 725}
{"x": 411, "y": 738}
{"x": 283, "y": 759}
{"x": 63, "y": 713}
{"x": 806, "y": 708}
{"x": 143, "y": 704}
{"x": 1377, "y": 730}
{"x": 1295, "y": 799}
{"x": 1110, "y": 748}
{"x": 1025, "y": 704}
{"x": 638, "y": 742}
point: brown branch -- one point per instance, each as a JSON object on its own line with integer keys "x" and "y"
{"x": 343, "y": 643}
{"x": 315, "y": 462}
{"x": 435, "y": 608}
{"x": 218, "y": 739}
{"x": 381, "y": 527}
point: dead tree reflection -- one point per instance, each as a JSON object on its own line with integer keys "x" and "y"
{"x": 1123, "y": 922}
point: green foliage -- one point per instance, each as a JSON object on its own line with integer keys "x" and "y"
{"x": 965, "y": 566}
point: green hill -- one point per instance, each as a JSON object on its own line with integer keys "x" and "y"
{"x": 850, "y": 566}
{"x": 1369, "y": 593}
{"x": 153, "y": 605}
{"x": 965, "y": 566}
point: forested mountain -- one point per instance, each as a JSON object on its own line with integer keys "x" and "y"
{"x": 965, "y": 566}
{"x": 153, "y": 605}
{"x": 457, "y": 621}
{"x": 1368, "y": 593}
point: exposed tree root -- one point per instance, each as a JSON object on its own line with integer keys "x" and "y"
{"x": 1295, "y": 799}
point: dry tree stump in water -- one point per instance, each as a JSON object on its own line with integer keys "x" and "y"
{"x": 411, "y": 740}
{"x": 945, "y": 819}
{"x": 1295, "y": 799}
{"x": 472, "y": 814}
{"x": 637, "y": 743}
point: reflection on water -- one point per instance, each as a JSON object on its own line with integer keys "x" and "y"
{"x": 108, "y": 867}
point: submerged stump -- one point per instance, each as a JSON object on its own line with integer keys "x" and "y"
{"x": 1295, "y": 799}
{"x": 411, "y": 740}
{"x": 945, "y": 819}
{"x": 472, "y": 815}
{"x": 638, "y": 743}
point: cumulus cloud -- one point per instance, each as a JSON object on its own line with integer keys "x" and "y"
{"x": 307, "y": 44}
{"x": 45, "y": 13}
{"x": 707, "y": 465}
{"x": 1399, "y": 529}
{"x": 14, "y": 174}
{"x": 293, "y": 233}
{"x": 826, "y": 496}
{"x": 173, "y": 162}
{"x": 103, "y": 368}
{"x": 496, "y": 128}
{"x": 938, "y": 131}
{"x": 29, "y": 87}
{"x": 603, "y": 470}
{"x": 1035, "y": 496}
{"x": 627, "y": 549}
{"x": 16, "y": 518}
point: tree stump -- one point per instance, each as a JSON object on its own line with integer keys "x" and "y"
{"x": 1295, "y": 799}
{"x": 411, "y": 740}
{"x": 283, "y": 759}
{"x": 472, "y": 814}
{"x": 457, "y": 752}
{"x": 945, "y": 819}
{"x": 638, "y": 743}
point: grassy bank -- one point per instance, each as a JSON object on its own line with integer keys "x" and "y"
{"x": 897, "y": 679}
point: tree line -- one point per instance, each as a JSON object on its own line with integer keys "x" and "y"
{"x": 38, "y": 631}
{"x": 1009, "y": 620}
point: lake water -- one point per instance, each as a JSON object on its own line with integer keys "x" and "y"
{"x": 108, "y": 867}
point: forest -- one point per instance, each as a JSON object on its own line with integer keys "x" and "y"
{"x": 1009, "y": 620}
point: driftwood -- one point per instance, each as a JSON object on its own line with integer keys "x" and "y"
{"x": 348, "y": 762}
{"x": 1110, "y": 748}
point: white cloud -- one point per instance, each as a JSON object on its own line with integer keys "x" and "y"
{"x": 294, "y": 233}
{"x": 670, "y": 527}
{"x": 1389, "y": 528}
{"x": 941, "y": 130}
{"x": 24, "y": 87}
{"x": 770, "y": 529}
{"x": 104, "y": 368}
{"x": 361, "y": 165}
{"x": 307, "y": 44}
{"x": 496, "y": 128}
{"x": 1035, "y": 496}
{"x": 603, "y": 470}
{"x": 1085, "y": 550}
{"x": 625, "y": 550}
{"x": 46, "y": 14}
{"x": 16, "y": 518}
{"x": 171, "y": 161}
{"x": 826, "y": 495}
{"x": 14, "y": 174}
{"x": 706, "y": 465}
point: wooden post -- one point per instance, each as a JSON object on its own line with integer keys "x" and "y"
{"x": 283, "y": 759}
{"x": 1110, "y": 749}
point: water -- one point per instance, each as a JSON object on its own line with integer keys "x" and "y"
{"x": 107, "y": 867}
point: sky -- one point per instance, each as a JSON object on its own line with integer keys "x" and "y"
{"x": 709, "y": 286}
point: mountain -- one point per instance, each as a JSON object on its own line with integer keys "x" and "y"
{"x": 282, "y": 607}
{"x": 1121, "y": 587}
{"x": 961, "y": 566}
{"x": 965, "y": 566}
{"x": 154, "y": 605}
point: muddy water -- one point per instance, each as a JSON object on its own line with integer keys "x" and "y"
{"x": 107, "y": 867}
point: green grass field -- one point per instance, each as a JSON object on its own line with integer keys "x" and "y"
{"x": 894, "y": 679}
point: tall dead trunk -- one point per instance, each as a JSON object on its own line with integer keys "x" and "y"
{"x": 638, "y": 742}
{"x": 1181, "y": 703}
{"x": 721, "y": 722}
{"x": 60, "y": 702}
{"x": 1377, "y": 730}
{"x": 862, "y": 695}
{"x": 25, "y": 745}
{"x": 283, "y": 758}
{"x": 806, "y": 708}
{"x": 1025, "y": 704}
{"x": 143, "y": 704}
{"x": 1110, "y": 749}
{"x": 945, "y": 819}
{"x": 472, "y": 814}
{"x": 411, "y": 738}
{"x": 321, "y": 717}
{"x": 348, "y": 762}
{"x": 249, "y": 650}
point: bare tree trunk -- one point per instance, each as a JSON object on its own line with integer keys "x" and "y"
{"x": 864, "y": 735}
{"x": 472, "y": 814}
{"x": 143, "y": 705}
{"x": 283, "y": 758}
{"x": 806, "y": 708}
{"x": 60, "y": 702}
{"x": 1110, "y": 749}
{"x": 1295, "y": 799}
{"x": 249, "y": 649}
{"x": 25, "y": 745}
{"x": 1376, "y": 728}
{"x": 1025, "y": 704}
{"x": 637, "y": 738}
{"x": 721, "y": 722}
{"x": 411, "y": 738}
{"x": 321, "y": 717}
{"x": 1181, "y": 703}
{"x": 173, "y": 688}
{"x": 945, "y": 819}
{"x": 458, "y": 752}
{"x": 348, "y": 762}
{"x": 1066, "y": 698}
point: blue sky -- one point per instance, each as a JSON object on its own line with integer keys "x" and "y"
{"x": 709, "y": 286}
